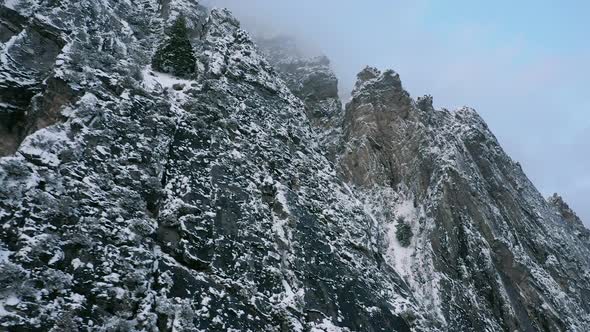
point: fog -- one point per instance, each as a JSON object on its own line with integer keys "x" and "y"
{"x": 523, "y": 66}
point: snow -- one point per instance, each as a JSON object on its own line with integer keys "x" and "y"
{"x": 58, "y": 256}
{"x": 205, "y": 301}
{"x": 153, "y": 79}
{"x": 102, "y": 150}
{"x": 76, "y": 263}
{"x": 44, "y": 144}
{"x": 10, "y": 301}
{"x": 290, "y": 297}
{"x": 326, "y": 325}
{"x": 12, "y": 4}
{"x": 5, "y": 59}
{"x": 236, "y": 154}
{"x": 279, "y": 228}
{"x": 119, "y": 292}
{"x": 8, "y": 44}
{"x": 4, "y": 254}
{"x": 281, "y": 197}
{"x": 77, "y": 300}
{"x": 401, "y": 257}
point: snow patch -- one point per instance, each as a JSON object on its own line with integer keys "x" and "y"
{"x": 326, "y": 325}
{"x": 12, "y": 4}
{"x": 10, "y": 301}
{"x": 44, "y": 145}
{"x": 4, "y": 254}
{"x": 401, "y": 257}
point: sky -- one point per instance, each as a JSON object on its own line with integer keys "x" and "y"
{"x": 523, "y": 65}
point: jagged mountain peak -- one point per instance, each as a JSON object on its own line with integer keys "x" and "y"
{"x": 244, "y": 197}
{"x": 425, "y": 103}
{"x": 371, "y": 78}
{"x": 564, "y": 209}
{"x": 311, "y": 78}
{"x": 368, "y": 73}
{"x": 459, "y": 193}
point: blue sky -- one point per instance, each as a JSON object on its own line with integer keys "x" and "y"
{"x": 524, "y": 65}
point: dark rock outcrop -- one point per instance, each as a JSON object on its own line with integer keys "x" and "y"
{"x": 564, "y": 210}
{"x": 312, "y": 80}
{"x": 28, "y": 54}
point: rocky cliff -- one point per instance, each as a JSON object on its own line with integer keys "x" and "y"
{"x": 488, "y": 252}
{"x": 242, "y": 196}
{"x": 311, "y": 79}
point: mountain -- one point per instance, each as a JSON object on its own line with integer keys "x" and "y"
{"x": 234, "y": 192}
{"x": 488, "y": 251}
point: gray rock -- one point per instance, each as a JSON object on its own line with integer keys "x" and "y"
{"x": 488, "y": 252}
{"x": 178, "y": 86}
{"x": 146, "y": 208}
{"x": 30, "y": 49}
{"x": 564, "y": 210}
{"x": 252, "y": 201}
{"x": 313, "y": 81}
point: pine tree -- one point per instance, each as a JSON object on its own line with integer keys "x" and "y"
{"x": 403, "y": 233}
{"x": 175, "y": 55}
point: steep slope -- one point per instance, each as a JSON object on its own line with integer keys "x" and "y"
{"x": 488, "y": 252}
{"x": 153, "y": 203}
{"x": 243, "y": 197}
{"x": 28, "y": 51}
{"x": 312, "y": 80}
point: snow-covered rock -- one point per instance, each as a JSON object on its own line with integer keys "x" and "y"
{"x": 186, "y": 204}
{"x": 488, "y": 253}
{"x": 244, "y": 198}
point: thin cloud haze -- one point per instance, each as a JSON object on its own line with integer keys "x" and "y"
{"x": 523, "y": 66}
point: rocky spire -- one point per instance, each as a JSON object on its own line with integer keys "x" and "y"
{"x": 474, "y": 216}
{"x": 312, "y": 80}
{"x": 564, "y": 210}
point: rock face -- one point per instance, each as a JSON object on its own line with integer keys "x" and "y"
{"x": 28, "y": 52}
{"x": 313, "y": 81}
{"x": 161, "y": 203}
{"x": 245, "y": 198}
{"x": 564, "y": 210}
{"x": 488, "y": 252}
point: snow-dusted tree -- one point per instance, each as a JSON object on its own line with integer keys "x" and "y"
{"x": 175, "y": 54}
{"x": 403, "y": 232}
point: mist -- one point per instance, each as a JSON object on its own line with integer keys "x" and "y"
{"x": 523, "y": 66}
